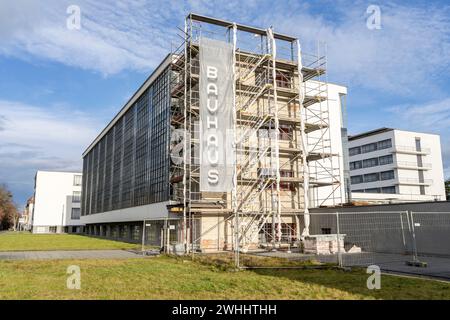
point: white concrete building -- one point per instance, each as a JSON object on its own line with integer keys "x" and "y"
{"x": 333, "y": 194}
{"x": 57, "y": 197}
{"x": 390, "y": 165}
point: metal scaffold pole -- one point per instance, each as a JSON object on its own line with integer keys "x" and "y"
{"x": 185, "y": 146}
{"x": 304, "y": 143}
{"x": 234, "y": 192}
{"x": 277, "y": 216}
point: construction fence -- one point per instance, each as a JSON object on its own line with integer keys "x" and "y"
{"x": 396, "y": 241}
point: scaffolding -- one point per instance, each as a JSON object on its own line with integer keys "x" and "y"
{"x": 283, "y": 153}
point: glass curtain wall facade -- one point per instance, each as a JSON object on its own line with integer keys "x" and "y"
{"x": 129, "y": 166}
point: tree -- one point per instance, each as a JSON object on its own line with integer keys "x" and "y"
{"x": 8, "y": 210}
{"x": 447, "y": 189}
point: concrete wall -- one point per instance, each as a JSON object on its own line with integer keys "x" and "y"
{"x": 150, "y": 211}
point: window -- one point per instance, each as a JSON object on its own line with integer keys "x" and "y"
{"x": 135, "y": 233}
{"x": 370, "y": 162}
{"x": 123, "y": 231}
{"x": 283, "y": 79}
{"x": 285, "y": 132}
{"x": 371, "y": 177}
{"x": 354, "y": 151}
{"x": 114, "y": 231}
{"x": 369, "y": 147}
{"x": 129, "y": 166}
{"x": 356, "y": 179}
{"x": 326, "y": 230}
{"x": 373, "y": 190}
{"x": 384, "y": 144}
{"x": 77, "y": 180}
{"x": 385, "y": 160}
{"x": 289, "y": 231}
{"x": 75, "y": 214}
{"x": 355, "y": 165}
{"x": 387, "y": 175}
{"x": 390, "y": 189}
{"x": 286, "y": 185}
{"x": 359, "y": 190}
{"x": 76, "y": 196}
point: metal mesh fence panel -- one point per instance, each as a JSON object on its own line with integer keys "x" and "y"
{"x": 379, "y": 238}
{"x": 432, "y": 233}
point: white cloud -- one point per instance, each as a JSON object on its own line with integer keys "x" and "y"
{"x": 45, "y": 138}
{"x": 113, "y": 36}
{"x": 408, "y": 53}
{"x": 432, "y": 117}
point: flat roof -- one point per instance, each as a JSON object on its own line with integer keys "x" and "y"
{"x": 382, "y": 130}
{"x": 369, "y": 133}
{"x": 59, "y": 171}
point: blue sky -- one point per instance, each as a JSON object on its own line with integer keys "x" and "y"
{"x": 60, "y": 87}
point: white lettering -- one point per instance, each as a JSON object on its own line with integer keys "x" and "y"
{"x": 211, "y": 72}
{"x": 212, "y": 121}
{"x": 213, "y": 176}
{"x": 212, "y": 89}
{"x": 214, "y": 108}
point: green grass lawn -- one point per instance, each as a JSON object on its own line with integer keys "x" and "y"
{"x": 177, "y": 278}
{"x": 25, "y": 241}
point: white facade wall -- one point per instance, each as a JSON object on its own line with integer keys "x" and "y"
{"x": 54, "y": 201}
{"x": 331, "y": 195}
{"x": 153, "y": 211}
{"x": 418, "y": 170}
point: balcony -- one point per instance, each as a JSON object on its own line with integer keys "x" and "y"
{"x": 411, "y": 150}
{"x": 414, "y": 181}
{"x": 413, "y": 165}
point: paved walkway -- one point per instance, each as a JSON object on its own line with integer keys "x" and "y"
{"x": 75, "y": 254}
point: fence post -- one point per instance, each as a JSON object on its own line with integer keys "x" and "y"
{"x": 403, "y": 232}
{"x": 143, "y": 237}
{"x": 415, "y": 256}
{"x": 338, "y": 236}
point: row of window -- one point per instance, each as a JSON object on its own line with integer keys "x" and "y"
{"x": 372, "y": 177}
{"x": 390, "y": 189}
{"x": 370, "y": 147}
{"x": 372, "y": 162}
{"x": 129, "y": 166}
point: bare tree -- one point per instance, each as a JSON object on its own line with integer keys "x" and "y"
{"x": 9, "y": 214}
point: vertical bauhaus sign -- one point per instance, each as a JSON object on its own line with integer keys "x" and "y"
{"x": 216, "y": 115}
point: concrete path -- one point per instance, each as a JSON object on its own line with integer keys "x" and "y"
{"x": 75, "y": 254}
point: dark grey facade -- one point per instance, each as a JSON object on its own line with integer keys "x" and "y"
{"x": 129, "y": 165}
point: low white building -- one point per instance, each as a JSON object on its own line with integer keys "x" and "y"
{"x": 390, "y": 165}
{"x": 57, "y": 197}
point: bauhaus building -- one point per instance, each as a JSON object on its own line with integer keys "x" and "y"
{"x": 227, "y": 144}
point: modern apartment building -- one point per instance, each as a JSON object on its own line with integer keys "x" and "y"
{"x": 395, "y": 165}
{"x": 57, "y": 197}
{"x": 25, "y": 219}
{"x": 226, "y": 145}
